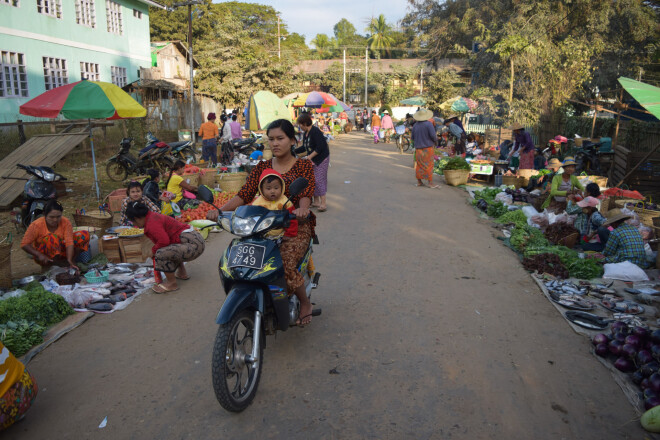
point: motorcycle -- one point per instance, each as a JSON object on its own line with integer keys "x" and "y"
{"x": 37, "y": 192}
{"x": 249, "y": 145}
{"x": 184, "y": 150}
{"x": 257, "y": 304}
{"x": 124, "y": 163}
{"x": 586, "y": 158}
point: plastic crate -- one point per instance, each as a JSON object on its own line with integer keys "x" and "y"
{"x": 115, "y": 199}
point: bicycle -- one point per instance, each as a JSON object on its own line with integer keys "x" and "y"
{"x": 402, "y": 139}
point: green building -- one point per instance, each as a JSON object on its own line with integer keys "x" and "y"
{"x": 49, "y": 43}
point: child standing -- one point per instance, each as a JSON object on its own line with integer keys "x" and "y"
{"x": 271, "y": 196}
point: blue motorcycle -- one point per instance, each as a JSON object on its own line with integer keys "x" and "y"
{"x": 257, "y": 302}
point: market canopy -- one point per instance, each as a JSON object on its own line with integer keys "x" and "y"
{"x": 263, "y": 108}
{"x": 460, "y": 106}
{"x": 415, "y": 100}
{"x": 647, "y": 95}
{"x": 314, "y": 100}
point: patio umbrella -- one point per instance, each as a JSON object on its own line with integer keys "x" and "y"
{"x": 85, "y": 100}
{"x": 415, "y": 100}
{"x": 460, "y": 106}
{"x": 314, "y": 100}
{"x": 344, "y": 107}
{"x": 263, "y": 108}
{"x": 647, "y": 95}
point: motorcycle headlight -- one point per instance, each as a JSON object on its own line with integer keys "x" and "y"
{"x": 265, "y": 224}
{"x": 243, "y": 226}
{"x": 226, "y": 224}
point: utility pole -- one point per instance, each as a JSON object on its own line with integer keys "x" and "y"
{"x": 421, "y": 81}
{"x": 279, "y": 47}
{"x": 366, "y": 75}
{"x": 344, "y": 75}
{"x": 190, "y": 3}
{"x": 511, "y": 85}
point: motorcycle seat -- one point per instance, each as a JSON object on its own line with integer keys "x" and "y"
{"x": 177, "y": 144}
{"x": 241, "y": 142}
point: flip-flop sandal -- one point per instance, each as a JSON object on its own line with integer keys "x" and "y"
{"x": 323, "y": 209}
{"x": 434, "y": 186}
{"x": 159, "y": 288}
{"x": 182, "y": 278}
{"x": 301, "y": 319}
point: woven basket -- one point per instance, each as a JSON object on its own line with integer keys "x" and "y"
{"x": 191, "y": 179}
{"x": 599, "y": 180}
{"x": 517, "y": 182}
{"x": 268, "y": 154}
{"x": 96, "y": 218}
{"x": 456, "y": 177}
{"x": 115, "y": 199}
{"x": 207, "y": 178}
{"x": 5, "y": 265}
{"x": 605, "y": 206}
{"x": 569, "y": 241}
{"x": 231, "y": 182}
{"x": 646, "y": 216}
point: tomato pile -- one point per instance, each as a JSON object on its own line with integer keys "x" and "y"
{"x": 199, "y": 213}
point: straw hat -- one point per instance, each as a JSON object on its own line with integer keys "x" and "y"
{"x": 451, "y": 117}
{"x": 614, "y": 216}
{"x": 516, "y": 126}
{"x": 423, "y": 115}
{"x": 568, "y": 160}
{"x": 554, "y": 163}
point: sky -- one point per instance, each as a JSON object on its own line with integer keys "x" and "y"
{"x": 311, "y": 17}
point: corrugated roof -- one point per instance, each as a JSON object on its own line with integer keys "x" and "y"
{"x": 379, "y": 66}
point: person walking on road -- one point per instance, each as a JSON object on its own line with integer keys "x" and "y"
{"x": 387, "y": 125}
{"x": 316, "y": 148}
{"x": 424, "y": 139}
{"x": 209, "y": 133}
{"x": 375, "y": 125}
{"x": 235, "y": 127}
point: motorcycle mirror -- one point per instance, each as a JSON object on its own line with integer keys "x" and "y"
{"x": 205, "y": 194}
{"x": 297, "y": 186}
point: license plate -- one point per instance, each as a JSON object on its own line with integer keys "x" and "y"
{"x": 247, "y": 255}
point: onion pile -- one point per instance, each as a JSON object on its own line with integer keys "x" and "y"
{"x": 635, "y": 350}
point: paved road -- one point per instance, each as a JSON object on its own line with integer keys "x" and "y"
{"x": 433, "y": 327}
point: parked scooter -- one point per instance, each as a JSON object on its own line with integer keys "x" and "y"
{"x": 124, "y": 163}
{"x": 587, "y": 160}
{"x": 257, "y": 303}
{"x": 249, "y": 145}
{"x": 37, "y": 192}
{"x": 184, "y": 150}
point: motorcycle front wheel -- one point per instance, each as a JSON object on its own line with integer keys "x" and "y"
{"x": 235, "y": 381}
{"x": 116, "y": 171}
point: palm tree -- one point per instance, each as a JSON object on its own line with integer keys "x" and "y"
{"x": 324, "y": 45}
{"x": 380, "y": 34}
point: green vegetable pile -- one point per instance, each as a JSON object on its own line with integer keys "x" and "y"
{"x": 36, "y": 305}
{"x": 457, "y": 163}
{"x": 584, "y": 269}
{"x": 440, "y": 165}
{"x": 20, "y": 336}
{"x": 488, "y": 194}
{"x": 527, "y": 236}
{"x": 516, "y": 218}
{"x": 497, "y": 209}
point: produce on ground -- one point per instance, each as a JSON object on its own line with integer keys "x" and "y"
{"x": 546, "y": 263}
{"x": 20, "y": 336}
{"x": 527, "y": 236}
{"x": 131, "y": 231}
{"x": 585, "y": 268}
{"x": 440, "y": 165}
{"x": 36, "y": 305}
{"x": 565, "y": 254}
{"x": 487, "y": 194}
{"x": 517, "y": 218}
{"x": 497, "y": 209}
{"x": 199, "y": 213}
{"x": 457, "y": 163}
{"x": 558, "y": 231}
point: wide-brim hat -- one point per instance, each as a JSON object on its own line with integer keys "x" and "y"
{"x": 554, "y": 163}
{"x": 451, "y": 117}
{"x": 615, "y": 215}
{"x": 423, "y": 115}
{"x": 568, "y": 161}
{"x": 516, "y": 126}
{"x": 386, "y": 112}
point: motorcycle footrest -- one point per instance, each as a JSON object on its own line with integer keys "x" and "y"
{"x": 315, "y": 281}
{"x": 316, "y": 312}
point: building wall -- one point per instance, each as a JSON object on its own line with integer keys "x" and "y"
{"x": 24, "y": 30}
{"x": 173, "y": 66}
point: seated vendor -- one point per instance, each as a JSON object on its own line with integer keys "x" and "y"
{"x": 588, "y": 222}
{"x": 541, "y": 181}
{"x": 624, "y": 243}
{"x": 51, "y": 240}
{"x": 135, "y": 194}
{"x": 563, "y": 185}
{"x": 18, "y": 389}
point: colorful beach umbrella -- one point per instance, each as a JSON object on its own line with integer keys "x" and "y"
{"x": 263, "y": 108}
{"x": 415, "y": 100}
{"x": 314, "y": 100}
{"x": 344, "y": 106}
{"x": 85, "y": 100}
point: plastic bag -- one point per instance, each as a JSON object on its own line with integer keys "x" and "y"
{"x": 505, "y": 198}
{"x": 646, "y": 232}
{"x": 634, "y": 220}
{"x": 625, "y": 271}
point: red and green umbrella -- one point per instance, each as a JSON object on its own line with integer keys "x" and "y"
{"x": 314, "y": 100}
{"x": 85, "y": 100}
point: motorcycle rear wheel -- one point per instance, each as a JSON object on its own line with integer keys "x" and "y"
{"x": 116, "y": 171}
{"x": 235, "y": 382}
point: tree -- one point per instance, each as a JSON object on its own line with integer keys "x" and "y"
{"x": 346, "y": 34}
{"x": 380, "y": 37}
{"x": 324, "y": 46}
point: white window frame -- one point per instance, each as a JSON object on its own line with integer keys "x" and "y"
{"x": 89, "y": 71}
{"x": 137, "y": 14}
{"x": 55, "y": 72}
{"x": 86, "y": 13}
{"x": 13, "y": 75}
{"x": 52, "y": 8}
{"x": 119, "y": 76}
{"x": 114, "y": 17}
{"x": 10, "y": 3}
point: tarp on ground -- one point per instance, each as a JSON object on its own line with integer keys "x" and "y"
{"x": 263, "y": 108}
{"x": 647, "y": 95}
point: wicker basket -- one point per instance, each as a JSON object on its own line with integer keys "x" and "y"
{"x": 96, "y": 218}
{"x": 115, "y": 199}
{"x": 5, "y": 265}
{"x": 646, "y": 216}
{"x": 456, "y": 177}
{"x": 231, "y": 182}
{"x": 268, "y": 154}
{"x": 569, "y": 241}
{"x": 517, "y": 182}
{"x": 191, "y": 179}
{"x": 208, "y": 178}
{"x": 599, "y": 180}
{"x": 605, "y": 206}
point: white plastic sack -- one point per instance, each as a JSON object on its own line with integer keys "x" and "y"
{"x": 625, "y": 271}
{"x": 505, "y": 198}
{"x": 634, "y": 220}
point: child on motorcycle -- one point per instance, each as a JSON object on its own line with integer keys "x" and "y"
{"x": 271, "y": 196}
